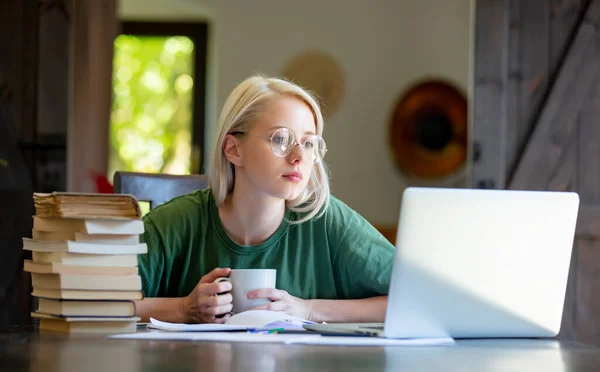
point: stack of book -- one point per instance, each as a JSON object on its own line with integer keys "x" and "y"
{"x": 84, "y": 266}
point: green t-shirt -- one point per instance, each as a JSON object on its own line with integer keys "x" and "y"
{"x": 337, "y": 256}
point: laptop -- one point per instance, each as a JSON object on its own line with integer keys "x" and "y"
{"x": 473, "y": 263}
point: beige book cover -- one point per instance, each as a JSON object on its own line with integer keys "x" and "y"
{"x": 83, "y": 259}
{"x": 58, "y": 268}
{"x": 89, "y": 225}
{"x": 83, "y": 247}
{"x": 69, "y": 204}
{"x": 61, "y": 236}
{"x": 70, "y": 294}
{"x": 66, "y": 308}
{"x": 86, "y": 324}
{"x": 87, "y": 282}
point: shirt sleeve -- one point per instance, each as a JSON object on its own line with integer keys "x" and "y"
{"x": 363, "y": 258}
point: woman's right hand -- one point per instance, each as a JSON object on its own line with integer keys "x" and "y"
{"x": 203, "y": 305}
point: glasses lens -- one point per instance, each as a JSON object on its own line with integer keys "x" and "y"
{"x": 282, "y": 141}
{"x": 315, "y": 146}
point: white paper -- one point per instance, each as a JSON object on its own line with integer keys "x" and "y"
{"x": 284, "y": 338}
{"x": 180, "y": 327}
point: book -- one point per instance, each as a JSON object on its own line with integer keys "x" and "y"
{"x": 87, "y": 282}
{"x": 84, "y": 266}
{"x": 83, "y": 247}
{"x": 83, "y": 259}
{"x": 246, "y": 320}
{"x": 73, "y": 308}
{"x": 86, "y": 324}
{"x": 88, "y": 225}
{"x": 70, "y": 294}
{"x": 61, "y": 236}
{"x": 68, "y": 204}
{"x": 59, "y": 268}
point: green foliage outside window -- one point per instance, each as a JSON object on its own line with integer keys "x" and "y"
{"x": 151, "y": 115}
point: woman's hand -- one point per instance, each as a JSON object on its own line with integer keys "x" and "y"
{"x": 203, "y": 305}
{"x": 282, "y": 301}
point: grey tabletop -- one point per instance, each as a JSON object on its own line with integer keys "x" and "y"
{"x": 28, "y": 350}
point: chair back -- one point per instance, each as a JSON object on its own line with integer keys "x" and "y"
{"x": 157, "y": 189}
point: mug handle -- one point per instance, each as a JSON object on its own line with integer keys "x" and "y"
{"x": 219, "y": 280}
{"x": 222, "y": 279}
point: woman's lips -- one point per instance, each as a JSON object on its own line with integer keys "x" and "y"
{"x": 293, "y": 176}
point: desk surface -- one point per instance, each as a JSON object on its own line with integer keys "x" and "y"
{"x": 28, "y": 350}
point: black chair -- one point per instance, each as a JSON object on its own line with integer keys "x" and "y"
{"x": 157, "y": 189}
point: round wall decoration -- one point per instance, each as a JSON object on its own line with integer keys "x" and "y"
{"x": 428, "y": 130}
{"x": 321, "y": 74}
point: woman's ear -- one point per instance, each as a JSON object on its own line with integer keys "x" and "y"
{"x": 231, "y": 149}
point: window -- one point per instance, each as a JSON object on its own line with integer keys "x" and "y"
{"x": 158, "y": 106}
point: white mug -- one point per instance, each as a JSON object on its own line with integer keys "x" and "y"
{"x": 247, "y": 280}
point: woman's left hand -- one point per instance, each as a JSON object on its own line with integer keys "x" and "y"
{"x": 282, "y": 301}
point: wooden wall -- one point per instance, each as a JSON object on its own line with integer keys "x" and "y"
{"x": 537, "y": 106}
{"x": 18, "y": 98}
{"x": 34, "y": 76}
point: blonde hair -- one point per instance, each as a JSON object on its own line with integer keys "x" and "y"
{"x": 245, "y": 103}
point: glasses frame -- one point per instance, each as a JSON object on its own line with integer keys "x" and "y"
{"x": 293, "y": 145}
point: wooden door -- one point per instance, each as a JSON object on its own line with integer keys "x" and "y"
{"x": 537, "y": 123}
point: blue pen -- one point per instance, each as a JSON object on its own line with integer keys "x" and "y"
{"x": 266, "y": 331}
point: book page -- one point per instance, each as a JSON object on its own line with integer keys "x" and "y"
{"x": 180, "y": 327}
{"x": 251, "y": 319}
{"x": 268, "y": 319}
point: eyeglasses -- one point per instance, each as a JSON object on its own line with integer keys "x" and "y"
{"x": 283, "y": 142}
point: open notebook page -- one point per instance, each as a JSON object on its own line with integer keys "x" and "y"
{"x": 251, "y": 319}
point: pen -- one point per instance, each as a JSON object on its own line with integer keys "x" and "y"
{"x": 266, "y": 331}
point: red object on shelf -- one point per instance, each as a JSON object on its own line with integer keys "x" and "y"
{"x": 103, "y": 185}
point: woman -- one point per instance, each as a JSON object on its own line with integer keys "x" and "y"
{"x": 268, "y": 206}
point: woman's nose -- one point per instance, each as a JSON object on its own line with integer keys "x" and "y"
{"x": 297, "y": 153}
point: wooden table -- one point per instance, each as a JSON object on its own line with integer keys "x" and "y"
{"x": 27, "y": 350}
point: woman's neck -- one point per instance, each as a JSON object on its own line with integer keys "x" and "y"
{"x": 250, "y": 219}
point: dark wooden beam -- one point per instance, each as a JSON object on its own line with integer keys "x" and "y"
{"x": 563, "y": 177}
{"x": 94, "y": 26}
{"x": 586, "y": 292}
{"x": 19, "y": 27}
{"x": 491, "y": 76}
{"x": 588, "y": 222}
{"x": 558, "y": 118}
